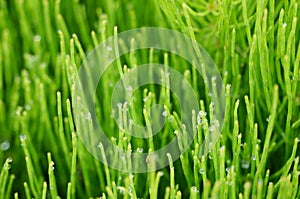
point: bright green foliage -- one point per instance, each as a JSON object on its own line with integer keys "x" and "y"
{"x": 255, "y": 45}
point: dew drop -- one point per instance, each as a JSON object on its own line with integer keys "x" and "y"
{"x": 121, "y": 190}
{"x": 239, "y": 136}
{"x": 131, "y": 175}
{"x": 202, "y": 113}
{"x": 165, "y": 113}
{"x": 113, "y": 139}
{"x": 139, "y": 150}
{"x": 145, "y": 98}
{"x": 129, "y": 89}
{"x": 37, "y": 38}
{"x": 27, "y": 107}
{"x": 212, "y": 128}
{"x": 160, "y": 173}
{"x": 201, "y": 171}
{"x": 109, "y": 48}
{"x": 194, "y": 189}
{"x": 227, "y": 170}
{"x": 253, "y": 157}
{"x": 18, "y": 112}
{"x": 52, "y": 166}
{"x": 87, "y": 116}
{"x": 23, "y": 137}
{"x": 229, "y": 183}
{"x": 9, "y": 159}
{"x": 5, "y": 146}
{"x": 245, "y": 164}
{"x": 284, "y": 24}
{"x": 199, "y": 121}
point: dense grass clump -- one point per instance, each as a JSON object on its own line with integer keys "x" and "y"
{"x": 255, "y": 45}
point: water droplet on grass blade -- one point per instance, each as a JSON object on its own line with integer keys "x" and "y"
{"x": 165, "y": 113}
{"x": 22, "y": 137}
{"x": 229, "y": 183}
{"x": 120, "y": 105}
{"x": 212, "y": 128}
{"x": 145, "y": 98}
{"x": 51, "y": 166}
{"x": 201, "y": 171}
{"x": 5, "y": 146}
{"x": 87, "y": 116}
{"x": 27, "y": 107}
{"x": 18, "y": 112}
{"x": 199, "y": 121}
{"x": 160, "y": 173}
{"x": 37, "y": 38}
{"x": 245, "y": 164}
{"x": 194, "y": 189}
{"x": 284, "y": 24}
{"x": 129, "y": 89}
{"x": 202, "y": 113}
{"x": 109, "y": 48}
{"x": 121, "y": 190}
{"x": 139, "y": 150}
{"x": 131, "y": 175}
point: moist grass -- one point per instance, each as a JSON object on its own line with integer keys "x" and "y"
{"x": 254, "y": 44}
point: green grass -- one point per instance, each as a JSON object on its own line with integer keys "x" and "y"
{"x": 255, "y": 46}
